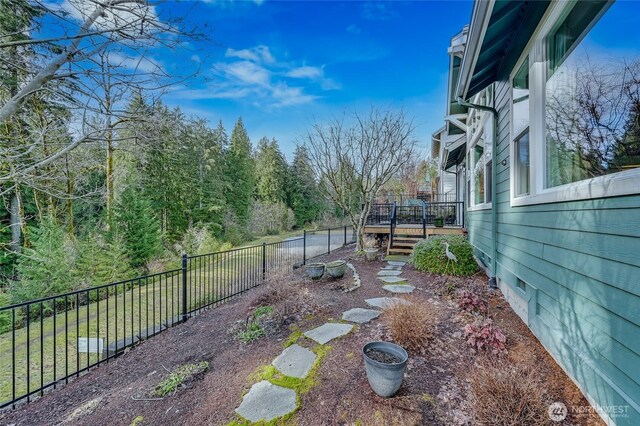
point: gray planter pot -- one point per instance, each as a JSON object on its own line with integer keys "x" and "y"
{"x": 336, "y": 268}
{"x": 314, "y": 270}
{"x": 385, "y": 379}
{"x": 370, "y": 253}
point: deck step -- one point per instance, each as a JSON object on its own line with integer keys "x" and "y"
{"x": 393, "y": 250}
{"x": 403, "y": 244}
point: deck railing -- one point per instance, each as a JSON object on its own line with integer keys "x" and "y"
{"x": 425, "y": 214}
{"x": 47, "y": 342}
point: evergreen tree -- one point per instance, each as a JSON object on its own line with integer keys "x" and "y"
{"x": 45, "y": 268}
{"x": 101, "y": 261}
{"x": 303, "y": 195}
{"x": 135, "y": 221}
{"x": 240, "y": 174}
{"x": 271, "y": 172}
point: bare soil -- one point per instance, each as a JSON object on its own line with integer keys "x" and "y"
{"x": 434, "y": 392}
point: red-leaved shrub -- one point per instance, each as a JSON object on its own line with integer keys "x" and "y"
{"x": 484, "y": 335}
{"x": 471, "y": 302}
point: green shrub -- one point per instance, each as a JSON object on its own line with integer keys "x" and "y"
{"x": 429, "y": 255}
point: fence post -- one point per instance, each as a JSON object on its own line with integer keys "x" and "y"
{"x": 264, "y": 260}
{"x": 329, "y": 241}
{"x": 345, "y": 235}
{"x": 184, "y": 287}
{"x": 304, "y": 247}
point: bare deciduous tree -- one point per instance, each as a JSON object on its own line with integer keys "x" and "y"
{"x": 353, "y": 161}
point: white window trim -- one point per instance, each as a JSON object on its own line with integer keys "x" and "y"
{"x": 612, "y": 185}
{"x": 472, "y": 138}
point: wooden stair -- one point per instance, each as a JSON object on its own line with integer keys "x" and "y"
{"x": 402, "y": 244}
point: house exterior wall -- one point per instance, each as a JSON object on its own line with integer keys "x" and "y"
{"x": 571, "y": 270}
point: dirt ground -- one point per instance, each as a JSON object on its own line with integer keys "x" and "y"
{"x": 434, "y": 392}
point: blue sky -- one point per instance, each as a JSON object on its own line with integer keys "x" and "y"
{"x": 280, "y": 65}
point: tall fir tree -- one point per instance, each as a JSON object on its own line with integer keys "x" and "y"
{"x": 270, "y": 171}
{"x": 303, "y": 195}
{"x": 45, "y": 268}
{"x": 101, "y": 260}
{"x": 134, "y": 219}
{"x": 240, "y": 174}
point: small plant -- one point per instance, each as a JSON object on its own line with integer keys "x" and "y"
{"x": 471, "y": 302}
{"x": 484, "y": 335}
{"x": 429, "y": 256}
{"x": 178, "y": 377}
{"x": 253, "y": 329}
{"x": 507, "y": 394}
{"x": 410, "y": 325}
{"x": 369, "y": 242}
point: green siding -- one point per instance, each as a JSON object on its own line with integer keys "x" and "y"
{"x": 581, "y": 263}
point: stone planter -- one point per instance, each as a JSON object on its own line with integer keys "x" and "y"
{"x": 314, "y": 270}
{"x": 336, "y": 268}
{"x": 371, "y": 254}
{"x": 385, "y": 377}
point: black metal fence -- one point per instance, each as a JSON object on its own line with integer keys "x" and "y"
{"x": 52, "y": 340}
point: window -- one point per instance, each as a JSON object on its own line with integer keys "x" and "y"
{"x": 520, "y": 84}
{"x": 575, "y": 124}
{"x": 480, "y": 171}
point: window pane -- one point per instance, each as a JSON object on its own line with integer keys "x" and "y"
{"x": 522, "y": 174}
{"x": 592, "y": 95}
{"x": 521, "y": 99}
{"x": 478, "y": 171}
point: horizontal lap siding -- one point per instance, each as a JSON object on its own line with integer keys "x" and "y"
{"x": 581, "y": 263}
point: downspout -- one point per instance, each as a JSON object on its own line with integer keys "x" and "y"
{"x": 494, "y": 214}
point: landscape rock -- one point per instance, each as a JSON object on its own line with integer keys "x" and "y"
{"x": 266, "y": 401}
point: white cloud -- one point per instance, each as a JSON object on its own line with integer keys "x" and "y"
{"x": 254, "y": 75}
{"x": 260, "y": 54}
{"x": 135, "y": 63}
{"x": 306, "y": 72}
{"x": 245, "y": 72}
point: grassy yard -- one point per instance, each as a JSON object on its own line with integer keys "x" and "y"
{"x": 136, "y": 309}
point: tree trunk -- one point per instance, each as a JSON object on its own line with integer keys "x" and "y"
{"x": 16, "y": 229}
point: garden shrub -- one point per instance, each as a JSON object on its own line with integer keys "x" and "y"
{"x": 429, "y": 256}
{"x": 472, "y": 302}
{"x": 506, "y": 394}
{"x": 485, "y": 335}
{"x": 410, "y": 325}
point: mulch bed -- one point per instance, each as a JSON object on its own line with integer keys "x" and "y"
{"x": 434, "y": 392}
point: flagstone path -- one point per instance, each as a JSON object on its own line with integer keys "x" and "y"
{"x": 266, "y": 401}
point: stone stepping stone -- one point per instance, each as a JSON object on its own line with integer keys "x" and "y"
{"x": 399, "y": 288}
{"x": 394, "y": 263}
{"x": 266, "y": 401}
{"x": 328, "y": 332}
{"x": 387, "y": 273}
{"x": 383, "y": 302}
{"x": 360, "y": 315}
{"x": 393, "y": 280}
{"x": 295, "y": 361}
{"x": 391, "y": 268}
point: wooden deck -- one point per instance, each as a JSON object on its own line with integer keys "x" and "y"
{"x": 413, "y": 230}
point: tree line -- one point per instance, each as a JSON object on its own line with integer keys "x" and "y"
{"x": 170, "y": 184}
